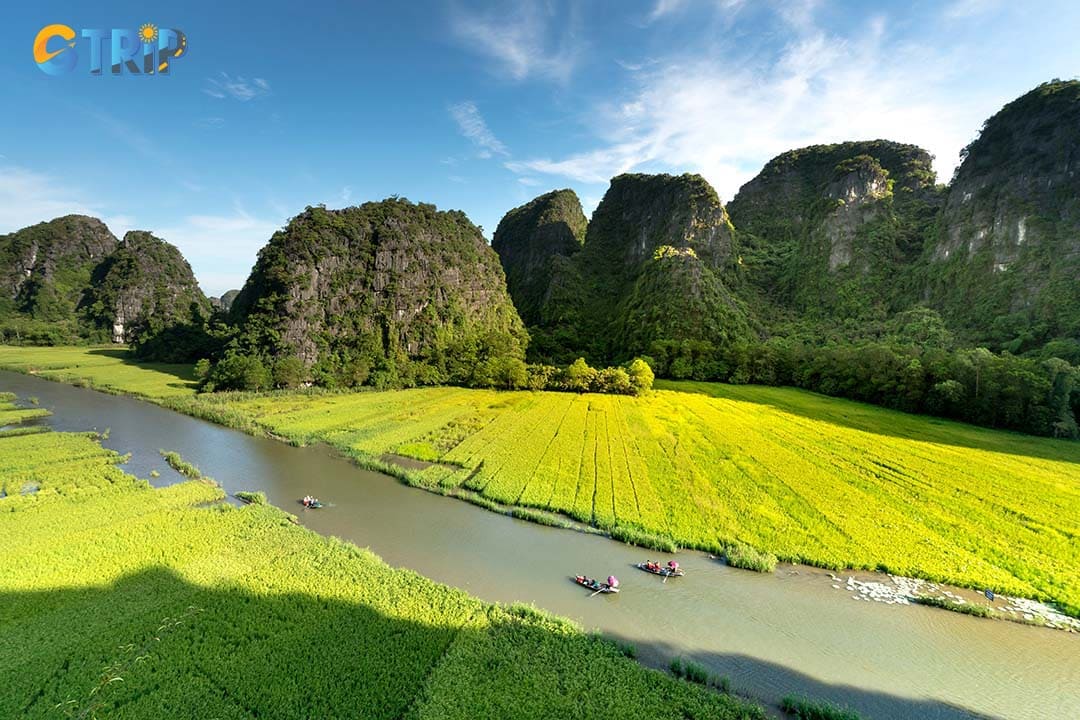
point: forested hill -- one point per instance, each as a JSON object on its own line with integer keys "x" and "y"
{"x": 385, "y": 293}
{"x": 69, "y": 280}
{"x": 846, "y": 269}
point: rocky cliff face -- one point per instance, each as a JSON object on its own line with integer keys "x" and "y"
{"x": 658, "y": 250}
{"x": 142, "y": 287}
{"x": 528, "y": 241}
{"x": 1006, "y": 263}
{"x": 829, "y": 228}
{"x": 392, "y": 281}
{"x": 46, "y": 268}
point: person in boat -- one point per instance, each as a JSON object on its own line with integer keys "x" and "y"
{"x": 673, "y": 566}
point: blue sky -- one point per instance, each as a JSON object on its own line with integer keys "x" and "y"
{"x": 482, "y": 106}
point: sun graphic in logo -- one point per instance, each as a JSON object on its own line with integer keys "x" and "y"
{"x": 148, "y": 33}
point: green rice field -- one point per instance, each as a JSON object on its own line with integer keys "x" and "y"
{"x": 122, "y": 601}
{"x": 812, "y": 479}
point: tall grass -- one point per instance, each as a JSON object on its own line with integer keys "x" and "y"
{"x": 743, "y": 556}
{"x": 804, "y": 709}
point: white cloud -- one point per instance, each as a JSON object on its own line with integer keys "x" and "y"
{"x": 28, "y": 197}
{"x": 531, "y": 40}
{"x": 221, "y": 248}
{"x": 725, "y": 116}
{"x": 530, "y": 181}
{"x": 238, "y": 88}
{"x": 472, "y": 125}
{"x": 346, "y": 194}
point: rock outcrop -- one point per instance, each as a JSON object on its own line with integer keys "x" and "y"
{"x": 1005, "y": 267}
{"x": 46, "y": 268}
{"x": 533, "y": 241}
{"x": 831, "y": 229}
{"x": 659, "y": 252}
{"x": 392, "y": 282}
{"x": 144, "y": 286}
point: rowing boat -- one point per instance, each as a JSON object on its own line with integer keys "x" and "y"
{"x": 658, "y": 569}
{"x": 595, "y": 585}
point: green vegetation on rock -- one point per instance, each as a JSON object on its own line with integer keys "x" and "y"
{"x": 386, "y": 294}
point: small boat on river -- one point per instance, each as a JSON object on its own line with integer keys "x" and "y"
{"x": 611, "y": 586}
{"x": 312, "y": 503}
{"x": 672, "y": 569}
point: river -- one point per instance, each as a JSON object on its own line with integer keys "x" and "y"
{"x": 790, "y": 632}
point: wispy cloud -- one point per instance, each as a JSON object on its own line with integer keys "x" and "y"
{"x": 210, "y": 122}
{"x": 532, "y": 39}
{"x": 472, "y": 126}
{"x": 28, "y": 197}
{"x": 726, "y": 116}
{"x": 238, "y": 88}
{"x": 130, "y": 135}
{"x": 967, "y": 9}
{"x": 346, "y": 194}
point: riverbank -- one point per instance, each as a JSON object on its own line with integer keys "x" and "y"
{"x": 253, "y": 603}
{"x": 788, "y": 633}
{"x": 774, "y": 468}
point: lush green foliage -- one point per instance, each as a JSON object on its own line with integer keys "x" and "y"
{"x": 1037, "y": 396}
{"x": 48, "y": 267}
{"x": 251, "y": 602}
{"x": 252, "y": 498}
{"x": 657, "y": 263}
{"x": 807, "y": 478}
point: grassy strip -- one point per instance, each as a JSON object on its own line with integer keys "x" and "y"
{"x": 640, "y": 538}
{"x": 964, "y": 608}
{"x": 804, "y": 709}
{"x": 180, "y": 465}
{"x": 540, "y": 517}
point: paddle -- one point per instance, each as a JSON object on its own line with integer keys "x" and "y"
{"x": 597, "y": 592}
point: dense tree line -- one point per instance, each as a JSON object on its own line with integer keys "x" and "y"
{"x": 238, "y": 370}
{"x": 1032, "y": 395}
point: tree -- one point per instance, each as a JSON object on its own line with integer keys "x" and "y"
{"x": 579, "y": 377}
{"x": 641, "y": 376}
{"x": 289, "y": 372}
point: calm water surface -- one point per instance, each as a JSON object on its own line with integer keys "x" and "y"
{"x": 771, "y": 635}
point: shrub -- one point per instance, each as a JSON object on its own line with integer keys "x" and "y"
{"x": 743, "y": 556}
{"x": 641, "y": 375}
{"x": 289, "y": 372}
{"x": 579, "y": 377}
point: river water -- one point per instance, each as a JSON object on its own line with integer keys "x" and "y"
{"x": 790, "y": 632}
